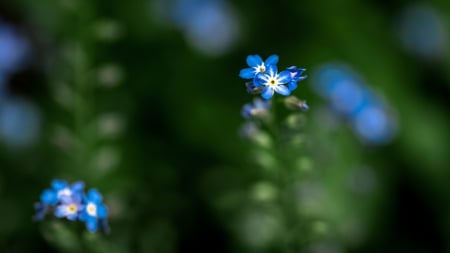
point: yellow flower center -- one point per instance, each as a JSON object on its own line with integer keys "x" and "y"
{"x": 72, "y": 208}
{"x": 272, "y": 82}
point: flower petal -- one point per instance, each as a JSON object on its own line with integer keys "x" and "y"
{"x": 91, "y": 224}
{"x": 271, "y": 70}
{"x": 247, "y": 73}
{"x": 49, "y": 197}
{"x": 292, "y": 85}
{"x": 284, "y": 77}
{"x": 77, "y": 186}
{"x": 102, "y": 211}
{"x": 271, "y": 60}
{"x": 267, "y": 92}
{"x": 58, "y": 184}
{"x": 254, "y": 60}
{"x": 60, "y": 211}
{"x": 94, "y": 196}
{"x": 72, "y": 216}
{"x": 282, "y": 90}
{"x": 260, "y": 79}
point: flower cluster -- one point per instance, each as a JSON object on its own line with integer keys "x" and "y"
{"x": 265, "y": 78}
{"x": 71, "y": 202}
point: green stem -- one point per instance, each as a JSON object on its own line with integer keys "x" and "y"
{"x": 285, "y": 180}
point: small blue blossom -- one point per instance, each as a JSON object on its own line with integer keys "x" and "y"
{"x": 70, "y": 207}
{"x": 257, "y": 65}
{"x": 259, "y": 107}
{"x": 59, "y": 189}
{"x": 272, "y": 81}
{"x": 94, "y": 211}
{"x": 70, "y": 202}
{"x": 296, "y": 76}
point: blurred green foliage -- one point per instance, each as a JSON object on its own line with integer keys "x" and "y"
{"x": 132, "y": 108}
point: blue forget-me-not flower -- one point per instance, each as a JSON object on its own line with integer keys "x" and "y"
{"x": 70, "y": 201}
{"x": 272, "y": 81}
{"x": 257, "y": 65}
{"x": 94, "y": 211}
{"x": 266, "y": 79}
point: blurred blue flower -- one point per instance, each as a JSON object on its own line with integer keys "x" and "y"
{"x": 14, "y": 49}
{"x": 374, "y": 125}
{"x": 94, "y": 211}
{"x": 422, "y": 31}
{"x": 353, "y": 100}
{"x": 296, "y": 76}
{"x": 272, "y": 81}
{"x": 210, "y": 26}
{"x": 20, "y": 122}
{"x": 70, "y": 202}
{"x": 258, "y": 108}
{"x": 257, "y": 65}
{"x": 69, "y": 207}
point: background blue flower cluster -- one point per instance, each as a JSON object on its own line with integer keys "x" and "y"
{"x": 71, "y": 202}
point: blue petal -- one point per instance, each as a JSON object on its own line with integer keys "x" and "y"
{"x": 302, "y": 77}
{"x": 267, "y": 93}
{"x": 247, "y": 73}
{"x": 94, "y": 196}
{"x": 77, "y": 186}
{"x": 49, "y": 197}
{"x": 282, "y": 90}
{"x": 284, "y": 77}
{"x": 91, "y": 225}
{"x": 254, "y": 60}
{"x": 84, "y": 215}
{"x": 271, "y": 60}
{"x": 272, "y": 69}
{"x": 58, "y": 184}
{"x": 292, "y": 85}
{"x": 260, "y": 79}
{"x": 102, "y": 211}
{"x": 72, "y": 217}
{"x": 66, "y": 199}
{"x": 77, "y": 197}
{"x": 60, "y": 211}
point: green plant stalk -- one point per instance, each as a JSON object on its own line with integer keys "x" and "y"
{"x": 284, "y": 181}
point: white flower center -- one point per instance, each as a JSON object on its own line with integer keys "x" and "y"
{"x": 260, "y": 68}
{"x": 91, "y": 209}
{"x": 272, "y": 82}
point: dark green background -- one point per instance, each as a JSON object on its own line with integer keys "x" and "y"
{"x": 180, "y": 150}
